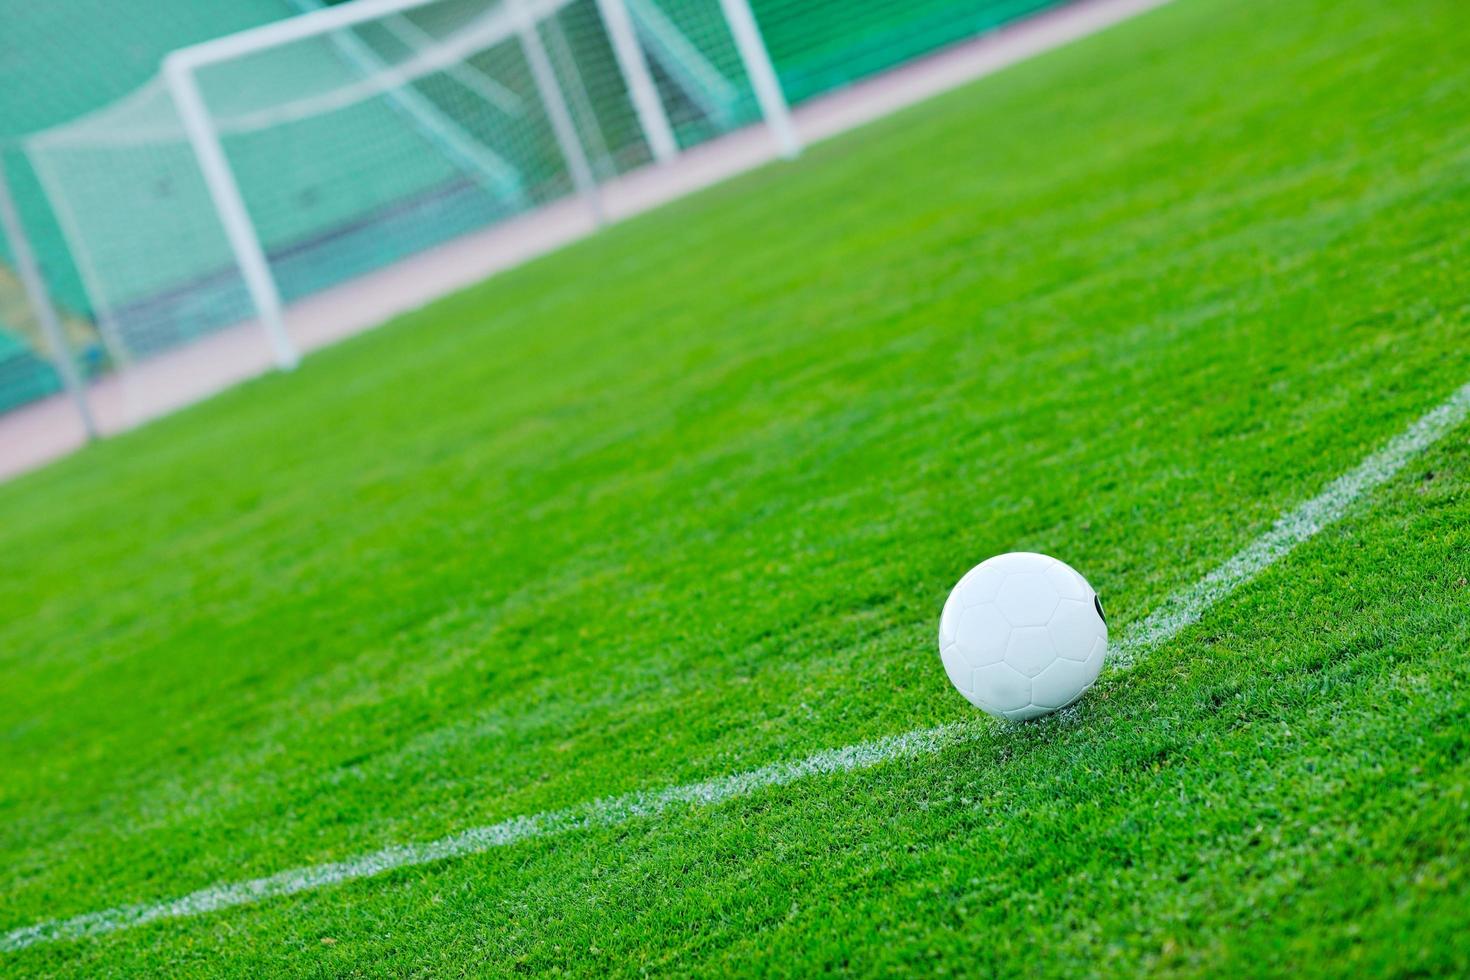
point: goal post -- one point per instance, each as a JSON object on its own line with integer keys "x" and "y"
{"x": 228, "y": 202}
{"x": 634, "y": 64}
{"x": 762, "y": 75}
{"x": 262, "y": 167}
{"x": 179, "y": 68}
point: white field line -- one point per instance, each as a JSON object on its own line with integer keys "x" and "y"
{"x": 1176, "y": 613}
{"x": 1184, "y": 608}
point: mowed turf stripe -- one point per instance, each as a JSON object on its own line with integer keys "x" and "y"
{"x": 1174, "y": 615}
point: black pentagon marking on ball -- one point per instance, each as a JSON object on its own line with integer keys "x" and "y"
{"x": 1097, "y": 604}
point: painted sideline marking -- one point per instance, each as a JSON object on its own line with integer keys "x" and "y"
{"x": 1179, "y": 611}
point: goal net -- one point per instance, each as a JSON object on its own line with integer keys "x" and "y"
{"x": 357, "y": 135}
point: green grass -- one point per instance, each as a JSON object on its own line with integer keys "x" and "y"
{"x": 685, "y": 499}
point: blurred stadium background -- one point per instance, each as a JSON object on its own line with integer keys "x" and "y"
{"x": 356, "y": 148}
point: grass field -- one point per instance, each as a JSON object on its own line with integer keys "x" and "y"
{"x": 684, "y": 500}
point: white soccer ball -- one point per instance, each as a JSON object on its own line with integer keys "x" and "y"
{"x": 1022, "y": 635}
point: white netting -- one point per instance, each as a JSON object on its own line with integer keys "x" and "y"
{"x": 365, "y": 144}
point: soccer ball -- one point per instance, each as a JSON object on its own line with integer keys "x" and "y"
{"x": 1022, "y": 635}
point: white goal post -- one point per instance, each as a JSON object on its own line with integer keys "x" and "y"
{"x": 493, "y": 22}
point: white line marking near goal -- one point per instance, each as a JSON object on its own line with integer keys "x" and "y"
{"x": 1174, "y": 615}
